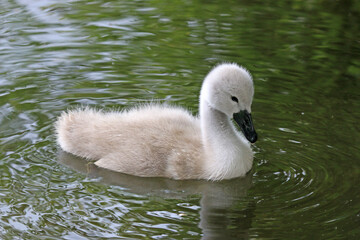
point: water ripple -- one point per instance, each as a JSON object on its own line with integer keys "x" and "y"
{"x": 58, "y": 55}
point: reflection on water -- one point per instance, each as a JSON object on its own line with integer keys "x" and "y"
{"x": 217, "y": 203}
{"x": 304, "y": 57}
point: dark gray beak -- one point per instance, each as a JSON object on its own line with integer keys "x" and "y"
{"x": 244, "y": 120}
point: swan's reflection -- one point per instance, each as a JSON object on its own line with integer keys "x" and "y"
{"x": 220, "y": 216}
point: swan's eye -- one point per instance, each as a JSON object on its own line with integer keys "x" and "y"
{"x": 234, "y": 99}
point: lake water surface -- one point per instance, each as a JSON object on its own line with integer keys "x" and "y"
{"x": 305, "y": 60}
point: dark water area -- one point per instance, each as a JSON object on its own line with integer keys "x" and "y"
{"x": 305, "y": 60}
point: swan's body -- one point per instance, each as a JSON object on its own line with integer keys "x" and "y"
{"x": 159, "y": 141}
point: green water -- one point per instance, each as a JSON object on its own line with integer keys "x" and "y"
{"x": 305, "y": 60}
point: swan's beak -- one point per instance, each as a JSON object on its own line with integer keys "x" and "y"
{"x": 244, "y": 120}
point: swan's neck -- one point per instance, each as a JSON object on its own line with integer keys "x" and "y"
{"x": 228, "y": 154}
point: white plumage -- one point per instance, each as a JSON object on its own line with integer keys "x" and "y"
{"x": 155, "y": 140}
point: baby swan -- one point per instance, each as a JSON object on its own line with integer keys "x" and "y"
{"x": 159, "y": 141}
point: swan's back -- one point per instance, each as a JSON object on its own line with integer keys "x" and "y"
{"x": 152, "y": 140}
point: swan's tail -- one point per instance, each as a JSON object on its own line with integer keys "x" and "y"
{"x": 76, "y": 133}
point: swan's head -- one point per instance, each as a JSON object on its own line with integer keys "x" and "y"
{"x": 229, "y": 89}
